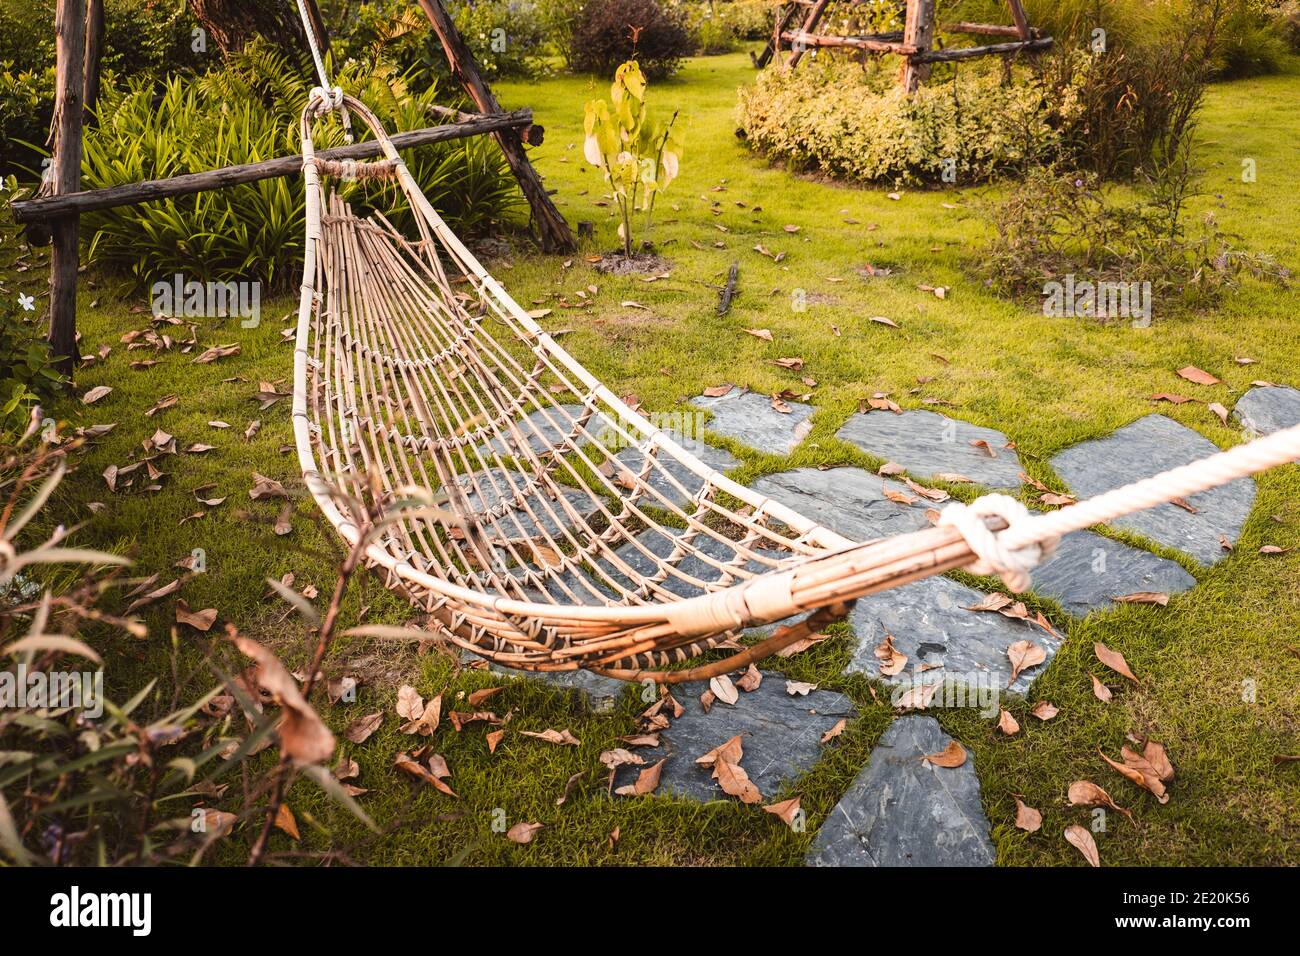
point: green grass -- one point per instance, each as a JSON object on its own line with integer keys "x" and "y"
{"x": 1048, "y": 383}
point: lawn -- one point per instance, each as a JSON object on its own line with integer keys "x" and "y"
{"x": 1046, "y": 382}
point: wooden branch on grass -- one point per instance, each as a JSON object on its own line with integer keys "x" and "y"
{"x": 728, "y": 292}
{"x": 33, "y": 210}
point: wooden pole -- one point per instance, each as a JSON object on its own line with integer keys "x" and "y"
{"x": 49, "y": 207}
{"x": 809, "y": 24}
{"x": 918, "y": 33}
{"x": 94, "y": 53}
{"x": 857, "y": 43}
{"x": 318, "y": 27}
{"x": 553, "y": 231}
{"x": 1021, "y": 20}
{"x": 971, "y": 52}
{"x": 69, "y": 101}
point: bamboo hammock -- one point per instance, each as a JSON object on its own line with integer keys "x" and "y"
{"x": 557, "y": 541}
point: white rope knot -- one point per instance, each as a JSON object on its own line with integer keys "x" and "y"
{"x": 1012, "y": 567}
{"x": 329, "y": 98}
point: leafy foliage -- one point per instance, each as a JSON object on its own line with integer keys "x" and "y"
{"x": 26, "y": 375}
{"x": 610, "y": 32}
{"x": 245, "y": 112}
{"x": 860, "y": 125}
{"x": 638, "y": 155}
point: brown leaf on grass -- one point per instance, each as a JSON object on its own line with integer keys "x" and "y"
{"x": 95, "y": 394}
{"x": 1200, "y": 377}
{"x": 890, "y": 468}
{"x": 717, "y": 391}
{"x": 155, "y": 595}
{"x": 360, "y": 729}
{"x": 199, "y": 620}
{"x": 1082, "y": 840}
{"x": 407, "y": 763}
{"x": 892, "y": 660}
{"x": 647, "y": 781}
{"x": 951, "y": 756}
{"x": 731, "y": 751}
{"x": 1158, "y": 759}
{"x": 1114, "y": 660}
{"x": 523, "y": 833}
{"x": 1045, "y": 710}
{"x": 284, "y": 820}
{"x": 1171, "y": 398}
{"x": 764, "y": 334}
{"x": 787, "y": 810}
{"x": 284, "y": 522}
{"x": 569, "y": 786}
{"x": 779, "y": 405}
{"x": 1008, "y": 724}
{"x": 208, "y": 356}
{"x": 1024, "y": 655}
{"x": 493, "y": 739}
{"x": 1027, "y": 818}
{"x": 619, "y": 757}
{"x": 1143, "y": 597}
{"x": 304, "y": 738}
{"x": 1100, "y": 690}
{"x": 934, "y": 494}
{"x": 1273, "y": 549}
{"x": 1137, "y": 770}
{"x": 264, "y": 487}
{"x": 162, "y": 404}
{"x": 427, "y": 721}
{"x": 1219, "y": 410}
{"x": 551, "y": 736}
{"x": 482, "y": 694}
{"x": 835, "y": 731}
{"x": 1085, "y": 793}
{"x": 410, "y": 705}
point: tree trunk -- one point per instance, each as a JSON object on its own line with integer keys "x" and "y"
{"x": 94, "y": 51}
{"x": 232, "y": 23}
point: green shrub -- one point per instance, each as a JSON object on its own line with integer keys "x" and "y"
{"x": 245, "y": 112}
{"x": 26, "y": 105}
{"x": 26, "y": 375}
{"x": 859, "y": 124}
{"x": 718, "y": 27}
{"x": 610, "y": 32}
{"x": 1250, "y": 42}
{"x": 1286, "y": 18}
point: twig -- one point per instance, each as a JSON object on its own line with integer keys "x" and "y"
{"x": 728, "y": 291}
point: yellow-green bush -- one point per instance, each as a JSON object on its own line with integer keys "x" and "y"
{"x": 859, "y": 125}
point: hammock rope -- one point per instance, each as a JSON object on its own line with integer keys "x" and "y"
{"x": 542, "y": 522}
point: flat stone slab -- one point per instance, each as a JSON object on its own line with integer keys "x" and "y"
{"x": 750, "y": 418}
{"x": 782, "y": 737}
{"x": 849, "y": 501}
{"x": 1149, "y": 445}
{"x": 1265, "y": 410}
{"x": 928, "y": 444}
{"x": 931, "y": 625}
{"x": 600, "y": 693}
{"x": 904, "y": 811}
{"x": 1089, "y": 571}
{"x": 718, "y": 459}
{"x": 543, "y": 430}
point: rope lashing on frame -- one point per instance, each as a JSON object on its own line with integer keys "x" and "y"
{"x": 329, "y": 98}
{"x": 1012, "y": 566}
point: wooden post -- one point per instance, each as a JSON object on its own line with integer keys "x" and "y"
{"x": 69, "y": 101}
{"x": 1021, "y": 20}
{"x": 809, "y": 24}
{"x": 918, "y": 33}
{"x": 94, "y": 52}
{"x": 318, "y": 27}
{"x": 552, "y": 230}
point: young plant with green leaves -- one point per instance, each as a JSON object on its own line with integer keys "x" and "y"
{"x": 638, "y": 155}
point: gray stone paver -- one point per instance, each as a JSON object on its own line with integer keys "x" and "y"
{"x": 1266, "y": 409}
{"x": 849, "y": 501}
{"x": 1143, "y": 448}
{"x": 904, "y": 811}
{"x": 750, "y": 418}
{"x": 1088, "y": 571}
{"x": 928, "y": 444}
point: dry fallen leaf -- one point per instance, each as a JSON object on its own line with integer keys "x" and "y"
{"x": 361, "y": 728}
{"x": 786, "y": 810}
{"x": 1194, "y": 374}
{"x": 1085, "y": 793}
{"x": 95, "y": 394}
{"x": 646, "y": 781}
{"x": 1143, "y": 597}
{"x": 523, "y": 832}
{"x": 284, "y": 820}
{"x": 551, "y": 736}
{"x": 493, "y": 738}
{"x": 892, "y": 660}
{"x": 1100, "y": 690}
{"x": 1024, "y": 655}
{"x": 724, "y": 689}
{"x": 1008, "y": 724}
{"x": 199, "y": 620}
{"x": 953, "y": 755}
{"x": 1044, "y": 710}
{"x": 835, "y": 731}
{"x": 1027, "y": 818}
{"x": 304, "y": 738}
{"x": 1082, "y": 840}
{"x": 1114, "y": 660}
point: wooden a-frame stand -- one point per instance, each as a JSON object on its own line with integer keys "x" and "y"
{"x": 61, "y": 201}
{"x": 914, "y": 43}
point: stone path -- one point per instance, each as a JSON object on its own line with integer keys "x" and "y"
{"x": 782, "y": 737}
{"x": 515, "y": 520}
{"x": 717, "y": 458}
{"x": 1265, "y": 410}
{"x": 901, "y": 810}
{"x": 1143, "y": 448}
{"x": 929, "y": 445}
{"x": 904, "y": 811}
{"x": 750, "y": 418}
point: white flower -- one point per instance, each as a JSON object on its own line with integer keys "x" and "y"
{"x": 27, "y": 302}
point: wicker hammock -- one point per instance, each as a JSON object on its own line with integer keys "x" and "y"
{"x": 570, "y": 532}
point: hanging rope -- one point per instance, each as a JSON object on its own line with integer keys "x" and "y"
{"x": 329, "y": 97}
